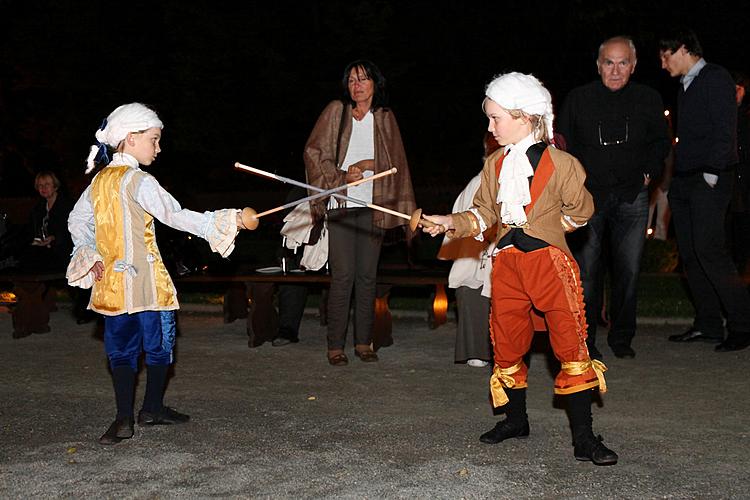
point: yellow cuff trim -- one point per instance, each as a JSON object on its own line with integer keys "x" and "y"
{"x": 501, "y": 377}
{"x": 574, "y": 368}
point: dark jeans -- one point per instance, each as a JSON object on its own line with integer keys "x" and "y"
{"x": 625, "y": 225}
{"x": 698, "y": 212}
{"x": 353, "y": 253}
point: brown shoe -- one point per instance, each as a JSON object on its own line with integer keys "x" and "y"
{"x": 366, "y": 356}
{"x": 339, "y": 359}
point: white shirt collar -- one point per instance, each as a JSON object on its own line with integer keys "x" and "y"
{"x": 124, "y": 159}
{"x": 521, "y": 145}
{"x": 688, "y": 77}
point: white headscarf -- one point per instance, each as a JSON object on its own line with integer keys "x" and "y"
{"x": 518, "y": 91}
{"x": 134, "y": 117}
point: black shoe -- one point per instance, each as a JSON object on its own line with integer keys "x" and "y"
{"x": 280, "y": 341}
{"x": 592, "y": 449}
{"x": 622, "y": 351}
{"x": 504, "y": 430}
{"x": 120, "y": 429}
{"x": 694, "y": 335}
{"x": 735, "y": 342}
{"x": 167, "y": 416}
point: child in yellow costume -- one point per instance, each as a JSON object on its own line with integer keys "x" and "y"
{"x": 112, "y": 226}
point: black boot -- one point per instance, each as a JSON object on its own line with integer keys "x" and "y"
{"x": 516, "y": 423}
{"x": 123, "y": 378}
{"x": 587, "y": 447}
{"x": 154, "y": 412}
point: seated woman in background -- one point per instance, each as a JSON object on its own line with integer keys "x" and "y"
{"x": 48, "y": 228}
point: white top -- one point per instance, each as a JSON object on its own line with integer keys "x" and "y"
{"x": 472, "y": 266}
{"x": 361, "y": 147}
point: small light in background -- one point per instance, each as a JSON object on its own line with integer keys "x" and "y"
{"x": 676, "y": 139}
{"x": 666, "y": 112}
{"x": 649, "y": 231}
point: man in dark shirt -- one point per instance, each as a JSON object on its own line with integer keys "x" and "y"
{"x": 617, "y": 129}
{"x": 699, "y": 195}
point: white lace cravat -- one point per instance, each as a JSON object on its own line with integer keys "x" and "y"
{"x": 514, "y": 193}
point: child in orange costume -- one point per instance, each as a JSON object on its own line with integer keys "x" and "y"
{"x": 536, "y": 194}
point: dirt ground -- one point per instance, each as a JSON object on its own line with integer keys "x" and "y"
{"x": 279, "y": 422}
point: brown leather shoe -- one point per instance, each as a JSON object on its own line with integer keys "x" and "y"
{"x": 338, "y": 359}
{"x": 366, "y": 356}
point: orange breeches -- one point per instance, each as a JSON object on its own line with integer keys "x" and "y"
{"x": 543, "y": 283}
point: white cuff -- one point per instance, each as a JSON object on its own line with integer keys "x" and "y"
{"x": 81, "y": 262}
{"x": 711, "y": 179}
{"x": 222, "y": 230}
{"x": 482, "y": 225}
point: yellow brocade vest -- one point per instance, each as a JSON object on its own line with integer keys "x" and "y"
{"x": 135, "y": 278}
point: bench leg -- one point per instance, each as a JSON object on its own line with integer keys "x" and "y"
{"x": 438, "y": 315}
{"x": 262, "y": 318}
{"x": 382, "y": 328}
{"x": 235, "y": 303}
{"x": 31, "y": 312}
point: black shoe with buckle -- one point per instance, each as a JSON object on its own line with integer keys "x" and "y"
{"x": 121, "y": 428}
{"x": 591, "y": 449}
{"x": 505, "y": 430}
{"x": 694, "y": 335}
{"x": 166, "y": 416}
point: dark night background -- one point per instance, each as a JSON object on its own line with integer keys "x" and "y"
{"x": 246, "y": 83}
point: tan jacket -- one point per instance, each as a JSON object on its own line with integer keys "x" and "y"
{"x": 557, "y": 194}
{"x": 393, "y": 191}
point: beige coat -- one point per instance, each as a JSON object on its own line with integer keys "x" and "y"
{"x": 559, "y": 200}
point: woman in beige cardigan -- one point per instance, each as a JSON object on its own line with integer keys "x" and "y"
{"x": 357, "y": 137}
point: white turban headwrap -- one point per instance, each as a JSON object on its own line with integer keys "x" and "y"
{"x": 134, "y": 117}
{"x": 518, "y": 91}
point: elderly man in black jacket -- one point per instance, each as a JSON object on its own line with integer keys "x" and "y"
{"x": 617, "y": 129}
{"x": 701, "y": 188}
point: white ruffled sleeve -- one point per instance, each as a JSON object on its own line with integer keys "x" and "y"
{"x": 84, "y": 256}
{"x": 219, "y": 228}
{"x": 221, "y": 231}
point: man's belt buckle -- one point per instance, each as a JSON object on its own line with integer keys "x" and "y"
{"x": 525, "y": 225}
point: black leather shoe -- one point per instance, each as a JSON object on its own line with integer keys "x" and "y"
{"x": 167, "y": 416}
{"x": 120, "y": 429}
{"x": 622, "y": 351}
{"x": 504, "y": 430}
{"x": 592, "y": 449}
{"x": 694, "y": 335}
{"x": 734, "y": 343}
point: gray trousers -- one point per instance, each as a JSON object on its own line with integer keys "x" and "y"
{"x": 353, "y": 254}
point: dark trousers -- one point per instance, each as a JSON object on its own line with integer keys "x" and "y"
{"x": 353, "y": 253}
{"x": 698, "y": 212}
{"x": 625, "y": 225}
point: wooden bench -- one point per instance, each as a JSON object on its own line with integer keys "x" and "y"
{"x": 32, "y": 305}
{"x": 262, "y": 317}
